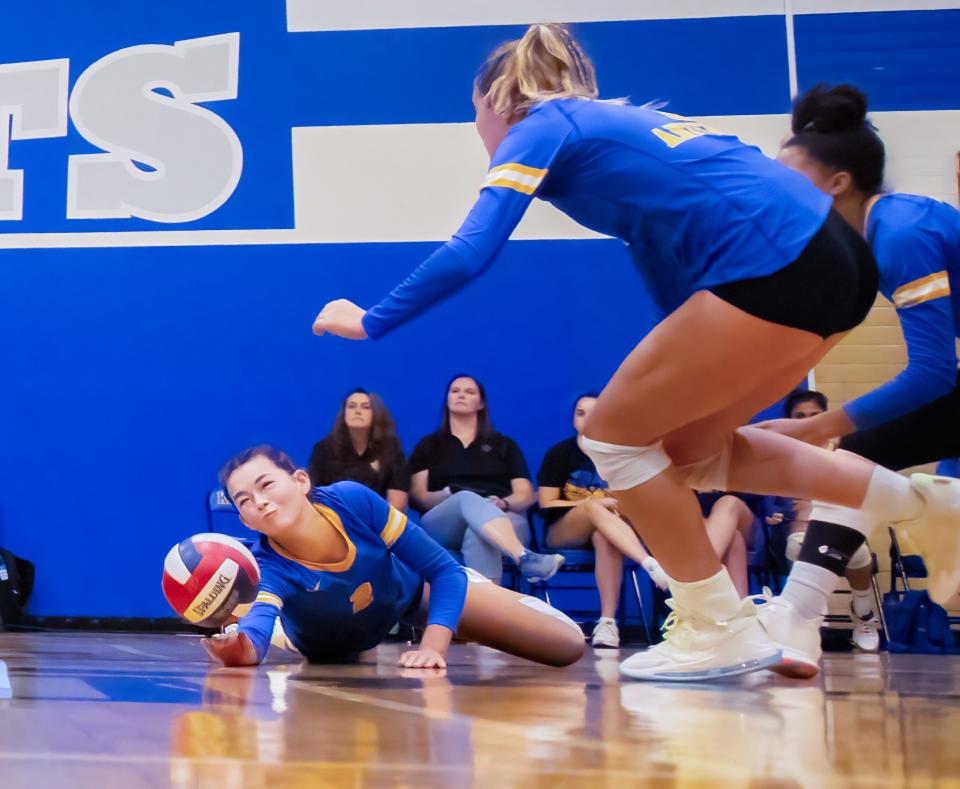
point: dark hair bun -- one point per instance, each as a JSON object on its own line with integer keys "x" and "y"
{"x": 829, "y": 110}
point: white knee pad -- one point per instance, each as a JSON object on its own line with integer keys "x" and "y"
{"x": 842, "y": 516}
{"x": 625, "y": 467}
{"x": 712, "y": 473}
{"x": 861, "y": 558}
{"x": 538, "y": 605}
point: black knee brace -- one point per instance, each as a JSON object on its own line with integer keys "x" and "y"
{"x": 830, "y": 546}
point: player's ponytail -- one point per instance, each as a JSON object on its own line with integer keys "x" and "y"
{"x": 547, "y": 63}
{"x": 831, "y": 125}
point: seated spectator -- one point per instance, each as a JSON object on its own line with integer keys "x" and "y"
{"x": 803, "y": 404}
{"x": 473, "y": 488}
{"x": 363, "y": 447}
{"x": 729, "y": 519}
{"x": 578, "y": 512}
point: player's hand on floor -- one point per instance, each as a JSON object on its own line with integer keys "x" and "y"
{"x": 422, "y": 658}
{"x": 231, "y": 649}
{"x": 342, "y": 318}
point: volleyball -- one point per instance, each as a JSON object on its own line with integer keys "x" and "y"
{"x": 206, "y": 576}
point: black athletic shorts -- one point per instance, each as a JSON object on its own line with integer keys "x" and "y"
{"x": 829, "y": 289}
{"x": 927, "y": 435}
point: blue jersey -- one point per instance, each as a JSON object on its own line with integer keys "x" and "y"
{"x": 329, "y": 611}
{"x": 916, "y": 241}
{"x": 697, "y": 208}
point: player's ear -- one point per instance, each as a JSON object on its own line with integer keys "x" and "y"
{"x": 840, "y": 183}
{"x": 303, "y": 480}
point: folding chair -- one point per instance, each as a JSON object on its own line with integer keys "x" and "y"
{"x": 222, "y": 516}
{"x": 578, "y": 560}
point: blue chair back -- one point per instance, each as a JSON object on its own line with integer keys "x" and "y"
{"x": 222, "y": 516}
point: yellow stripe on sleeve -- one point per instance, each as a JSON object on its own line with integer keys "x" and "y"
{"x": 396, "y": 523}
{"x": 269, "y": 598}
{"x": 933, "y": 286}
{"x": 514, "y": 176}
{"x": 520, "y": 168}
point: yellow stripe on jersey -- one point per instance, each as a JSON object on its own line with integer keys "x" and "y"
{"x": 396, "y": 523}
{"x": 242, "y": 610}
{"x": 933, "y": 286}
{"x": 269, "y": 598}
{"x": 514, "y": 176}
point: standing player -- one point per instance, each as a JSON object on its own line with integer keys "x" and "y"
{"x": 341, "y": 567}
{"x": 758, "y": 279}
{"x": 912, "y": 419}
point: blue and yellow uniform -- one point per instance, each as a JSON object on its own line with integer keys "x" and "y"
{"x": 696, "y": 207}
{"x": 329, "y": 611}
{"x": 916, "y": 241}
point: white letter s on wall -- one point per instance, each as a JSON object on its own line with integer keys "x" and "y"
{"x": 195, "y": 156}
{"x": 34, "y": 96}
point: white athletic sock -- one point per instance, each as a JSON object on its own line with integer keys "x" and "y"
{"x": 808, "y": 588}
{"x": 715, "y": 598}
{"x": 891, "y": 497}
{"x": 863, "y": 603}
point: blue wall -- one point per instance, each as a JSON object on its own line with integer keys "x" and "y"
{"x": 132, "y": 373}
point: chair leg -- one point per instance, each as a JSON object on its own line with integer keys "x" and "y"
{"x": 546, "y": 594}
{"x": 878, "y": 599}
{"x": 643, "y": 615}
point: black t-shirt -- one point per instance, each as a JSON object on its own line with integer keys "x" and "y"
{"x": 485, "y": 467}
{"x": 565, "y": 466}
{"x": 378, "y": 474}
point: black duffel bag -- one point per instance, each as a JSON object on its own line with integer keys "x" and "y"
{"x": 16, "y": 583}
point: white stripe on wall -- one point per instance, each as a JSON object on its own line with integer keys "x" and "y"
{"x": 320, "y": 15}
{"x": 417, "y": 182}
{"x": 791, "y": 48}
{"x": 845, "y": 6}
{"x": 411, "y": 182}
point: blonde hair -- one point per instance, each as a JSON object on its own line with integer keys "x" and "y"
{"x": 547, "y": 63}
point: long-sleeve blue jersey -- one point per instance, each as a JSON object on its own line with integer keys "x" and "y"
{"x": 696, "y": 207}
{"x": 329, "y": 611}
{"x": 916, "y": 241}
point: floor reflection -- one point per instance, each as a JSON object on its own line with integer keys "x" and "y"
{"x": 100, "y": 709}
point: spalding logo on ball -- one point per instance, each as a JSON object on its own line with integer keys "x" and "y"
{"x": 207, "y": 576}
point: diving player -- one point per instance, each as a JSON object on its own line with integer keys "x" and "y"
{"x": 341, "y": 567}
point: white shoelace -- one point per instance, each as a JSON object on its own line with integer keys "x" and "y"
{"x": 679, "y": 628}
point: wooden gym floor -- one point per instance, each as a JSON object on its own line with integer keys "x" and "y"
{"x": 120, "y": 711}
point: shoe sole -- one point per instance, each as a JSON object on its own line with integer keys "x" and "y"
{"x": 794, "y": 666}
{"x": 703, "y": 675}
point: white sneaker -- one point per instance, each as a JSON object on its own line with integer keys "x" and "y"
{"x": 696, "y": 648}
{"x": 866, "y": 631}
{"x": 797, "y": 638}
{"x": 605, "y": 634}
{"x": 936, "y": 533}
